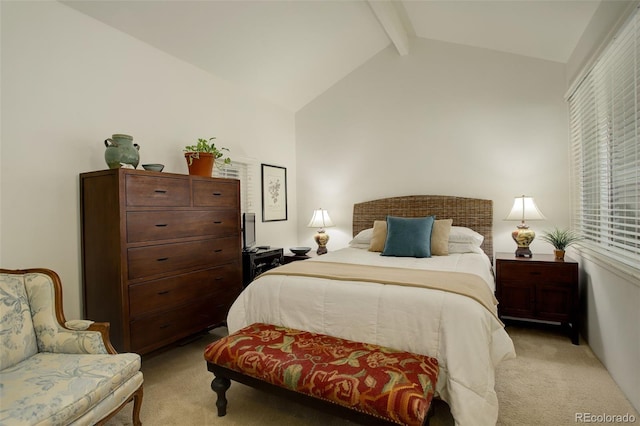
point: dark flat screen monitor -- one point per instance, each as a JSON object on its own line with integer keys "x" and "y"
{"x": 248, "y": 230}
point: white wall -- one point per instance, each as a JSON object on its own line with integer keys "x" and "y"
{"x": 610, "y": 296}
{"x": 445, "y": 119}
{"x": 610, "y": 302}
{"x": 69, "y": 82}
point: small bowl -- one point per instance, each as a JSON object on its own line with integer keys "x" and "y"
{"x": 153, "y": 167}
{"x": 300, "y": 251}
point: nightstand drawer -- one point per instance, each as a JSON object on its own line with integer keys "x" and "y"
{"x": 561, "y": 273}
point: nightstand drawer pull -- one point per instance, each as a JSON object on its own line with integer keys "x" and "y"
{"x": 217, "y": 222}
{"x": 161, "y": 225}
{"x": 162, "y": 293}
{"x": 162, "y": 259}
{"x": 165, "y": 326}
{"x": 160, "y": 191}
{"x": 217, "y": 194}
{"x": 217, "y": 251}
{"x": 218, "y": 278}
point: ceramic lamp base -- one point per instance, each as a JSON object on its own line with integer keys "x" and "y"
{"x": 523, "y": 238}
{"x": 321, "y": 239}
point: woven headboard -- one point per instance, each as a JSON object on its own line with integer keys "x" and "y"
{"x": 473, "y": 213}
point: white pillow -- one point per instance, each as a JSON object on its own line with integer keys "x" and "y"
{"x": 363, "y": 237}
{"x": 464, "y": 248}
{"x": 461, "y": 234}
{"x": 359, "y": 246}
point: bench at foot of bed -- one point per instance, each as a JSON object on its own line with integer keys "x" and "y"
{"x": 366, "y": 383}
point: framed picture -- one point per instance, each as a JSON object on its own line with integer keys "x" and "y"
{"x": 274, "y": 193}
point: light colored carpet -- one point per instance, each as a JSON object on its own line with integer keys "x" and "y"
{"x": 547, "y": 384}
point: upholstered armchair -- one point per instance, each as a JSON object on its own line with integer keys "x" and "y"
{"x": 54, "y": 372}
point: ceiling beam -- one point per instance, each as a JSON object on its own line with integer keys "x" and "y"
{"x": 390, "y": 20}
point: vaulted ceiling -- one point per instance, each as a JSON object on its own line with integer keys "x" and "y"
{"x": 291, "y": 51}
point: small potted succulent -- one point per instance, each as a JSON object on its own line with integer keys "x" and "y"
{"x": 202, "y": 156}
{"x": 560, "y": 239}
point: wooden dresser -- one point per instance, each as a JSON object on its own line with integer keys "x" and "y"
{"x": 161, "y": 254}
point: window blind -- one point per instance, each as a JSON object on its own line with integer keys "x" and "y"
{"x": 242, "y": 171}
{"x": 605, "y": 156}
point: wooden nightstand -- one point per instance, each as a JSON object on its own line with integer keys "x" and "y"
{"x": 256, "y": 262}
{"x": 538, "y": 288}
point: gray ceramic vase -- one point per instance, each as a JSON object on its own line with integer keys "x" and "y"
{"x": 121, "y": 150}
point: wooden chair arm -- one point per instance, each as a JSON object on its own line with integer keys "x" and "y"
{"x": 103, "y": 328}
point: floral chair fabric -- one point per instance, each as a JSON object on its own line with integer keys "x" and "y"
{"x": 52, "y": 374}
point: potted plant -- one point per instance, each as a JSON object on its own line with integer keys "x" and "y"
{"x": 560, "y": 239}
{"x": 202, "y": 156}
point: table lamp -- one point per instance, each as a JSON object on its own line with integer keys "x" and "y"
{"x": 321, "y": 220}
{"x": 524, "y": 208}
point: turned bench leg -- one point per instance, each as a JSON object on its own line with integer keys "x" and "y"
{"x": 220, "y": 385}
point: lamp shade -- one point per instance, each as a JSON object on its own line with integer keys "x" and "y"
{"x": 320, "y": 219}
{"x": 524, "y": 208}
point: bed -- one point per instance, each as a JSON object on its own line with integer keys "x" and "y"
{"x": 461, "y": 331}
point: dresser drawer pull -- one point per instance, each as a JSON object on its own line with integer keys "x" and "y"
{"x": 217, "y": 250}
{"x": 161, "y": 225}
{"x": 165, "y": 325}
{"x": 218, "y": 278}
{"x": 160, "y": 191}
{"x": 217, "y": 194}
{"x": 162, "y": 293}
{"x": 162, "y": 259}
{"x": 217, "y": 222}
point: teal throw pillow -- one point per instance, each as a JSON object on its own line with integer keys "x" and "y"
{"x": 408, "y": 237}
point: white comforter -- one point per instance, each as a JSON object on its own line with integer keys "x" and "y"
{"x": 467, "y": 340}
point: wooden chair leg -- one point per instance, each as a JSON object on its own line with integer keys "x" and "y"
{"x": 220, "y": 385}
{"x": 136, "y": 397}
{"x": 137, "y": 405}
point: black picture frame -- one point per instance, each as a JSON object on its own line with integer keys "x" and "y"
{"x": 274, "y": 193}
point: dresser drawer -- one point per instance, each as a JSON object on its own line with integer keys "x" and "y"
{"x": 531, "y": 272}
{"x": 215, "y": 193}
{"x": 153, "y": 191}
{"x": 223, "y": 282}
{"x": 157, "y": 330}
{"x": 145, "y": 226}
{"x": 166, "y": 258}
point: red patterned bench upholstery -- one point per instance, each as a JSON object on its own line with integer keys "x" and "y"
{"x": 364, "y": 382}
